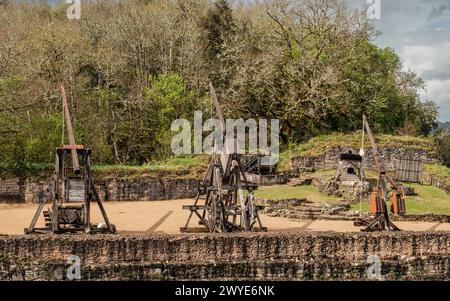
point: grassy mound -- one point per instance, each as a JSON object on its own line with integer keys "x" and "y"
{"x": 437, "y": 170}
{"x": 176, "y": 167}
{"x": 320, "y": 145}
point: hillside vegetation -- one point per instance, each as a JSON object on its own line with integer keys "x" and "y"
{"x": 320, "y": 145}
{"x": 192, "y": 167}
{"x": 132, "y": 67}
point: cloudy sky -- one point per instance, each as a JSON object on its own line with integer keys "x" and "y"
{"x": 419, "y": 31}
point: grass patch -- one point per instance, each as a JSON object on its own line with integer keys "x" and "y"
{"x": 26, "y": 170}
{"x": 436, "y": 169}
{"x": 180, "y": 163}
{"x": 178, "y": 167}
{"x": 429, "y": 199}
{"x": 280, "y": 192}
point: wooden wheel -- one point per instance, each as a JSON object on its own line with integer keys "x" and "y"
{"x": 211, "y": 220}
{"x": 216, "y": 215}
{"x": 250, "y": 216}
{"x": 211, "y": 215}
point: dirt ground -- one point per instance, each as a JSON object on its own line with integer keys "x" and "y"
{"x": 168, "y": 216}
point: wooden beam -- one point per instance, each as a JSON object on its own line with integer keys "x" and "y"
{"x": 378, "y": 159}
{"x": 73, "y": 147}
{"x": 75, "y": 162}
{"x": 224, "y": 158}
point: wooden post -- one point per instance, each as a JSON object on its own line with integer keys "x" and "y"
{"x": 75, "y": 162}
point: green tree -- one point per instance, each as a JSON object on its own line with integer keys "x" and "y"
{"x": 442, "y": 139}
{"x": 169, "y": 99}
{"x": 219, "y": 27}
{"x": 130, "y": 70}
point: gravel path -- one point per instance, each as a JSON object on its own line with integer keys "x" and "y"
{"x": 167, "y": 217}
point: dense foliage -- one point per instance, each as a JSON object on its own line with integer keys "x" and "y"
{"x": 442, "y": 140}
{"x": 132, "y": 67}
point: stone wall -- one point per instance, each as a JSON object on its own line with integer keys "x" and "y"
{"x": 349, "y": 190}
{"x": 390, "y": 156}
{"x": 11, "y": 190}
{"x": 440, "y": 182}
{"x": 307, "y": 256}
{"x": 147, "y": 189}
{"x": 142, "y": 189}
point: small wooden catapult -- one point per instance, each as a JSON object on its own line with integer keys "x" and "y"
{"x": 72, "y": 190}
{"x": 226, "y": 208}
{"x": 379, "y": 198}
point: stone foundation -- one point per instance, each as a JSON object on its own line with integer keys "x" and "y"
{"x": 11, "y": 190}
{"x": 308, "y": 256}
{"x": 147, "y": 189}
{"x": 348, "y": 190}
{"x": 302, "y": 209}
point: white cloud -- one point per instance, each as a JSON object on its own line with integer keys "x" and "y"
{"x": 439, "y": 91}
{"x": 418, "y": 58}
{"x": 430, "y": 61}
{"x": 419, "y": 31}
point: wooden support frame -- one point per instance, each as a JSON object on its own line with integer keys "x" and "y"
{"x": 381, "y": 220}
{"x": 63, "y": 217}
{"x": 222, "y": 209}
{"x": 60, "y": 204}
{"x": 229, "y": 203}
{"x": 73, "y": 149}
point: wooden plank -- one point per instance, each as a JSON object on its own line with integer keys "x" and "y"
{"x": 35, "y": 218}
{"x": 73, "y": 147}
{"x": 225, "y": 155}
{"x": 409, "y": 170}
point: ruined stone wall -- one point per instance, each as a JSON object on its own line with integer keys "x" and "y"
{"x": 390, "y": 156}
{"x": 440, "y": 182}
{"x": 319, "y": 256}
{"x": 10, "y": 189}
{"x": 348, "y": 190}
{"x": 142, "y": 189}
{"x": 147, "y": 189}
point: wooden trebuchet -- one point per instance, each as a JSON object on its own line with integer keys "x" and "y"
{"x": 229, "y": 203}
{"x": 72, "y": 191}
{"x": 381, "y": 220}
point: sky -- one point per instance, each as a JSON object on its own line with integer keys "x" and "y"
{"x": 419, "y": 31}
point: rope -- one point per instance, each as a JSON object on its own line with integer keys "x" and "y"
{"x": 362, "y": 169}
